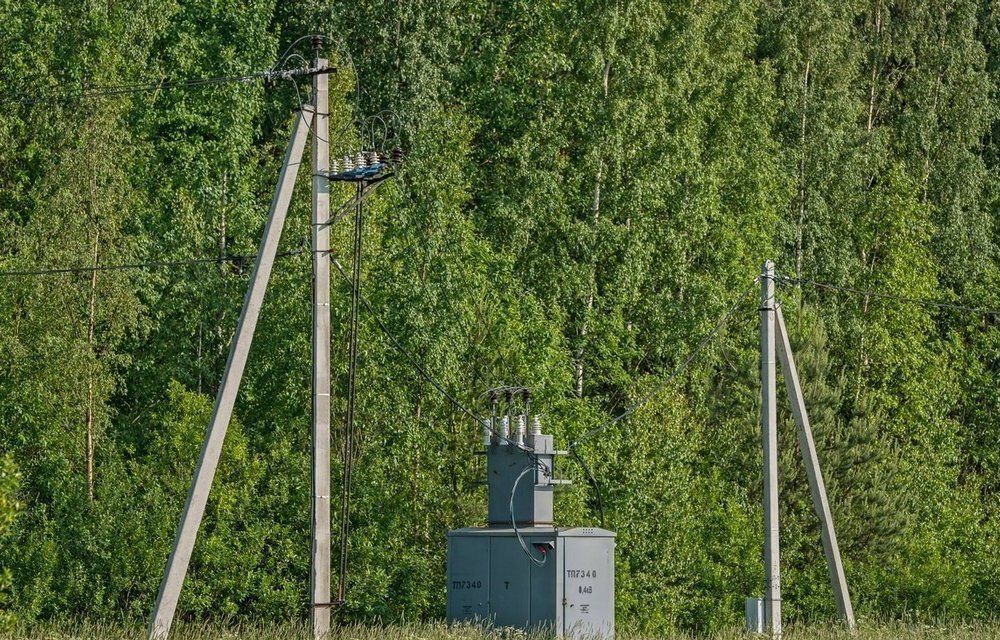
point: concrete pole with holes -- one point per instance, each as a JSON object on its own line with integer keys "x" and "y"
{"x": 320, "y": 560}
{"x": 769, "y": 433}
{"x": 817, "y": 487}
{"x": 211, "y": 448}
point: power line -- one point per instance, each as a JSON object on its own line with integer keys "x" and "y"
{"x": 406, "y": 354}
{"x": 412, "y": 361}
{"x": 676, "y": 372}
{"x": 572, "y": 448}
{"x": 143, "y": 265}
{"x": 352, "y": 368}
{"x": 71, "y": 92}
{"x": 888, "y": 296}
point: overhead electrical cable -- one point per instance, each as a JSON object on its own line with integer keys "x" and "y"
{"x": 352, "y": 368}
{"x": 74, "y": 92}
{"x": 143, "y": 265}
{"x": 889, "y": 296}
{"x": 709, "y": 337}
{"x": 412, "y": 361}
{"x": 676, "y": 372}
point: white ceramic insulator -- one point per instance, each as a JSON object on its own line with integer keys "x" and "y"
{"x": 536, "y": 425}
{"x": 504, "y": 430}
{"x": 522, "y": 429}
{"x": 488, "y": 432}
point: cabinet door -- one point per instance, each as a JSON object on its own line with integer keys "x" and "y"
{"x": 510, "y": 584}
{"x": 468, "y": 578}
{"x": 588, "y": 588}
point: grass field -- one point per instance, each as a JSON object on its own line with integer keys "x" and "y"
{"x": 882, "y": 631}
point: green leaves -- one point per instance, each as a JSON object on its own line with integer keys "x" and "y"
{"x": 588, "y": 186}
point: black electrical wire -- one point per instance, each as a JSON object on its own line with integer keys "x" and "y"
{"x": 572, "y": 448}
{"x": 676, "y": 372}
{"x": 69, "y": 92}
{"x": 352, "y": 368}
{"x": 75, "y": 92}
{"x": 592, "y": 481}
{"x": 141, "y": 265}
{"x": 888, "y": 296}
{"x": 359, "y": 196}
{"x": 412, "y": 361}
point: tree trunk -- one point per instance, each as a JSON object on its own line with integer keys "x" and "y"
{"x": 596, "y": 210}
{"x": 802, "y": 174}
{"x": 92, "y": 316}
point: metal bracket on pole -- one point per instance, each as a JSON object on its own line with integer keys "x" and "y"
{"x": 769, "y": 434}
{"x": 187, "y": 530}
{"x": 816, "y": 485}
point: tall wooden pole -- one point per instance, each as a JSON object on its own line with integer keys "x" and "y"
{"x": 320, "y": 561}
{"x": 211, "y": 448}
{"x": 769, "y": 432}
{"x": 816, "y": 485}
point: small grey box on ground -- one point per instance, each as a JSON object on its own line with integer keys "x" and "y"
{"x": 755, "y": 615}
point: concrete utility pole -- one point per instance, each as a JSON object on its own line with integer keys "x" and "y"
{"x": 320, "y": 562}
{"x": 769, "y": 433}
{"x": 187, "y": 530}
{"x": 816, "y": 485}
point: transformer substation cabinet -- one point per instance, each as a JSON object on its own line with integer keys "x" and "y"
{"x": 521, "y": 571}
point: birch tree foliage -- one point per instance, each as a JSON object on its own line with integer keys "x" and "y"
{"x": 589, "y": 187}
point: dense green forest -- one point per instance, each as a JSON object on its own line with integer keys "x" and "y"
{"x": 589, "y": 186}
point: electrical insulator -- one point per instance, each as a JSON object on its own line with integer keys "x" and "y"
{"x": 360, "y": 161}
{"x": 522, "y": 428}
{"x": 348, "y": 164}
{"x": 372, "y": 167}
{"x": 488, "y": 432}
{"x": 504, "y": 430}
{"x": 334, "y": 167}
{"x": 397, "y": 155}
{"x": 536, "y": 425}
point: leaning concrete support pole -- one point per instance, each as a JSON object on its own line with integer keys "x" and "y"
{"x": 816, "y": 485}
{"x": 320, "y": 562}
{"x": 187, "y": 530}
{"x": 769, "y": 433}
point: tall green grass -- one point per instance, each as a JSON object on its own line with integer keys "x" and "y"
{"x": 300, "y": 631}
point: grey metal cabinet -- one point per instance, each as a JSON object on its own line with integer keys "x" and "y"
{"x": 491, "y": 579}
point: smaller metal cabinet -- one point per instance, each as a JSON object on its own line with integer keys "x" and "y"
{"x": 571, "y": 594}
